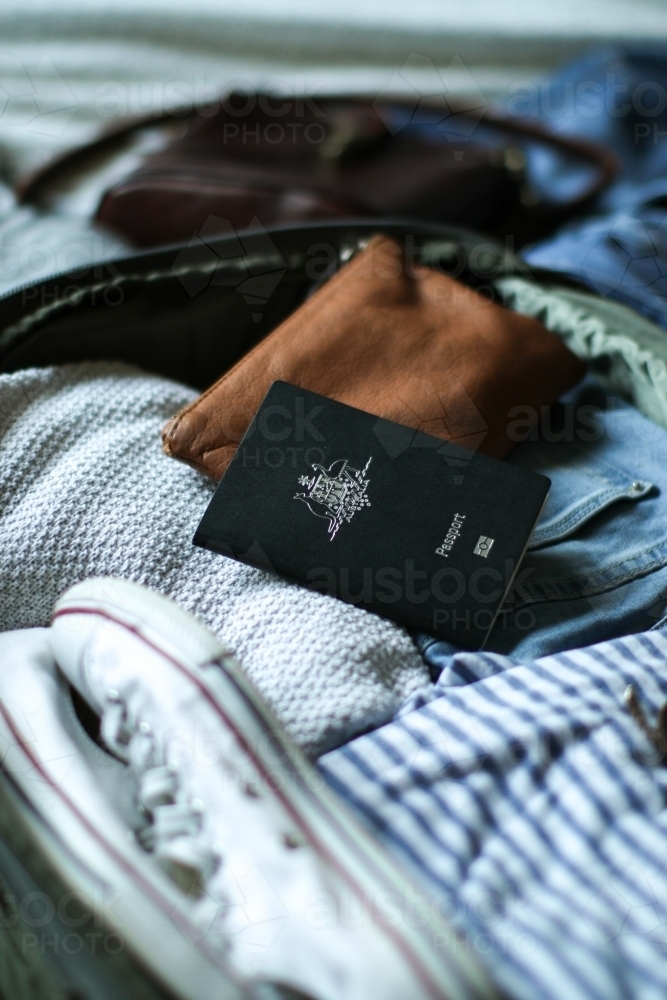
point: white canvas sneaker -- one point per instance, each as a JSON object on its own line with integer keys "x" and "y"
{"x": 162, "y": 799}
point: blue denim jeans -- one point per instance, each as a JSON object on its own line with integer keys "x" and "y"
{"x": 596, "y": 566}
{"x": 620, "y": 252}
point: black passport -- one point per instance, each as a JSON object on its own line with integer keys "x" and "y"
{"x": 398, "y": 522}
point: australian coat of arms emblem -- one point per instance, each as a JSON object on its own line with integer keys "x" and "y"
{"x": 336, "y": 493}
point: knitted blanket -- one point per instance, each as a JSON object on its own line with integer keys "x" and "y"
{"x": 85, "y": 490}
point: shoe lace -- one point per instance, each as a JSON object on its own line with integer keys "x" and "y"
{"x": 175, "y": 832}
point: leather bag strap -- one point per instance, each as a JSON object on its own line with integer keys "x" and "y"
{"x": 32, "y": 188}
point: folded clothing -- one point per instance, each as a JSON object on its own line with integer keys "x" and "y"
{"x": 627, "y": 352}
{"x": 85, "y": 490}
{"x": 534, "y": 807}
{"x": 596, "y": 564}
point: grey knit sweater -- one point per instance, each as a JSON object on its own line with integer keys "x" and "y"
{"x": 85, "y": 491}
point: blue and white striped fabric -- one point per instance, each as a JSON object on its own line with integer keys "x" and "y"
{"x": 535, "y": 809}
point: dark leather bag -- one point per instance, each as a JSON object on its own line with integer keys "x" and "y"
{"x": 255, "y": 159}
{"x": 190, "y": 313}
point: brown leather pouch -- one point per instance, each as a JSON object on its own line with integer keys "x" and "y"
{"x": 411, "y": 345}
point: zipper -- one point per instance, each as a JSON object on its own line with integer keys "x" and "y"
{"x": 239, "y": 264}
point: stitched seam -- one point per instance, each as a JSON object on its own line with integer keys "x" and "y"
{"x": 597, "y": 504}
{"x": 632, "y": 573}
